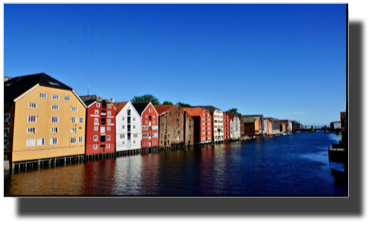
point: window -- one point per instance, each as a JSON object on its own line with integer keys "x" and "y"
{"x": 97, "y": 105}
{"x": 73, "y": 130}
{"x": 95, "y": 146}
{"x": 95, "y": 138}
{"x": 53, "y": 141}
{"x": 66, "y": 98}
{"x": 55, "y": 107}
{"x": 6, "y": 132}
{"x": 96, "y": 120}
{"x": 108, "y": 146}
{"x": 134, "y": 141}
{"x": 129, "y": 136}
{"x": 135, "y": 135}
{"x": 146, "y": 121}
{"x": 6, "y": 144}
{"x": 81, "y": 120}
{"x": 154, "y": 135}
{"x": 7, "y": 118}
{"x": 150, "y": 109}
{"x": 123, "y": 126}
{"x": 108, "y": 120}
{"x": 31, "y": 130}
{"x": 54, "y": 119}
{"x": 30, "y": 142}
{"x": 145, "y": 135}
{"x": 154, "y": 116}
{"x": 109, "y": 112}
{"x": 95, "y": 128}
{"x": 123, "y": 142}
{"x": 96, "y": 112}
{"x": 145, "y": 127}
{"x": 154, "y": 122}
{"x": 32, "y": 105}
{"x": 74, "y": 120}
{"x": 179, "y": 132}
{"x": 128, "y": 112}
{"x": 123, "y": 118}
{"x": 108, "y": 137}
{"x": 109, "y": 106}
{"x": 54, "y": 130}
{"x": 134, "y": 119}
{"x": 55, "y": 97}
{"x": 146, "y": 116}
{"x": 102, "y": 130}
{"x": 74, "y": 108}
{"x": 108, "y": 128}
{"x": 80, "y": 140}
{"x": 43, "y": 95}
{"x": 32, "y": 118}
{"x": 73, "y": 140}
{"x": 122, "y": 136}
{"x": 134, "y": 126}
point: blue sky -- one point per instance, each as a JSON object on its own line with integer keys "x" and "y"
{"x": 283, "y": 61}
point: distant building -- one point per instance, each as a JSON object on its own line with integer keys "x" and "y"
{"x": 268, "y": 123}
{"x": 242, "y": 133}
{"x": 336, "y": 125}
{"x": 259, "y": 118}
{"x": 234, "y": 126}
{"x": 149, "y": 125}
{"x": 202, "y": 124}
{"x": 216, "y": 123}
{"x": 226, "y": 126}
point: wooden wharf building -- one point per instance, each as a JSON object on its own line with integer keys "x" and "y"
{"x": 128, "y": 129}
{"x": 176, "y": 127}
{"x": 44, "y": 121}
{"x": 149, "y": 126}
{"x": 100, "y": 126}
{"x": 234, "y": 126}
{"x": 202, "y": 124}
{"x": 226, "y": 126}
{"x": 250, "y": 119}
{"x": 217, "y": 131}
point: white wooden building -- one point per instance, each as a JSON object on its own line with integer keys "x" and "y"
{"x": 234, "y": 126}
{"x": 128, "y": 127}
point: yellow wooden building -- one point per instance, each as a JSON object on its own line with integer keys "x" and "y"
{"x": 45, "y": 119}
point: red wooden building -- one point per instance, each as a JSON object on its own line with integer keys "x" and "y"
{"x": 100, "y": 125}
{"x": 226, "y": 126}
{"x": 202, "y": 124}
{"x": 149, "y": 126}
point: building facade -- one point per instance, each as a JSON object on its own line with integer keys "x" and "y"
{"x": 149, "y": 125}
{"x": 189, "y": 129}
{"x": 234, "y": 126}
{"x": 202, "y": 124}
{"x": 226, "y": 126}
{"x": 43, "y": 118}
{"x": 216, "y": 123}
{"x": 100, "y": 125}
{"x": 258, "y": 118}
{"x": 128, "y": 127}
{"x": 242, "y": 133}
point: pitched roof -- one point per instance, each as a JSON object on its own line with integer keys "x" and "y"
{"x": 119, "y": 106}
{"x": 230, "y": 115}
{"x": 249, "y": 120}
{"x": 89, "y": 99}
{"x": 210, "y": 108}
{"x": 194, "y": 111}
{"x": 140, "y": 107}
{"x": 163, "y": 108}
{"x": 17, "y": 86}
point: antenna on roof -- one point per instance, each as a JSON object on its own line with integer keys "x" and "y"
{"x": 88, "y": 89}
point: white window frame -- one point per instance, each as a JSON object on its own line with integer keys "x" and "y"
{"x": 154, "y": 116}
{"x": 96, "y": 112}
{"x": 75, "y": 121}
{"x": 66, "y": 98}
{"x": 108, "y": 137}
{"x": 96, "y": 128}
{"x": 74, "y": 108}
{"x": 102, "y": 129}
{"x": 81, "y": 120}
{"x": 150, "y": 109}
{"x": 53, "y": 97}
{"x": 155, "y": 135}
{"x": 54, "y": 117}
{"x": 53, "y": 107}
{"x": 33, "y": 142}
{"x": 108, "y": 128}
{"x": 30, "y": 105}
{"x": 95, "y": 138}
{"x": 145, "y": 127}
{"x": 109, "y": 112}
{"x": 108, "y": 120}
{"x": 43, "y": 95}
{"x": 39, "y": 142}
{"x": 35, "y": 117}
{"x": 108, "y": 146}
{"x": 97, "y": 104}
{"x": 34, "y": 130}
{"x": 95, "y": 146}
{"x": 74, "y": 130}
{"x": 52, "y": 141}
{"x": 80, "y": 139}
{"x": 96, "y": 120}
{"x": 71, "y": 140}
{"x": 146, "y": 116}
{"x": 109, "y": 106}
{"x": 122, "y": 136}
{"x": 135, "y": 136}
{"x": 145, "y": 135}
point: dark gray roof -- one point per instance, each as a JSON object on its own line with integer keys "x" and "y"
{"x": 210, "y": 108}
{"x": 246, "y": 118}
{"x": 140, "y": 107}
{"x": 89, "y": 99}
{"x": 17, "y": 86}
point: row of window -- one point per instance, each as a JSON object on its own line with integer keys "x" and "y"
{"x": 122, "y": 136}
{"x": 96, "y": 120}
{"x": 102, "y": 129}
{"x": 53, "y": 141}
{"x": 53, "y": 107}
{"x": 108, "y": 112}
{"x": 54, "y": 119}
{"x": 146, "y": 116}
{"x": 96, "y": 146}
{"x": 54, "y": 97}
{"x": 154, "y": 135}
{"x": 98, "y": 105}
{"x": 145, "y": 127}
{"x": 129, "y": 127}
{"x": 96, "y": 137}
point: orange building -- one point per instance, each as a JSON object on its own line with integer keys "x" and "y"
{"x": 44, "y": 119}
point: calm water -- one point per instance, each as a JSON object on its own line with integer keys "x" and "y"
{"x": 289, "y": 165}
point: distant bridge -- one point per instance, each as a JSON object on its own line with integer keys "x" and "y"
{"x": 312, "y": 130}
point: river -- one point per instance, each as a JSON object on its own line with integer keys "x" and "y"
{"x": 287, "y": 165}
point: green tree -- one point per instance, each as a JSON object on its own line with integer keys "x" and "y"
{"x": 167, "y": 103}
{"x": 183, "y": 104}
{"x": 233, "y": 111}
{"x": 145, "y": 99}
